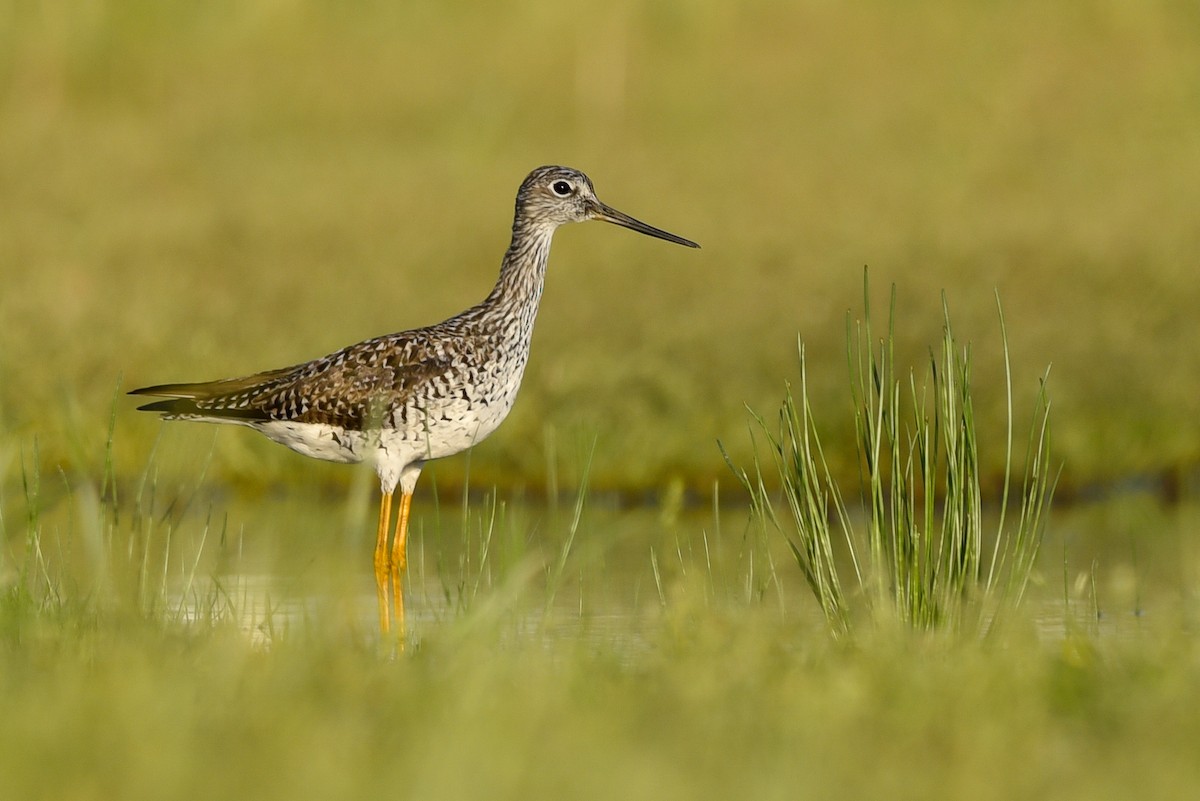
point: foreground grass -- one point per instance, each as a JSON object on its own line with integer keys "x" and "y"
{"x": 717, "y": 703}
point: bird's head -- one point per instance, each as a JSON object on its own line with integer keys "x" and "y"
{"x": 557, "y": 195}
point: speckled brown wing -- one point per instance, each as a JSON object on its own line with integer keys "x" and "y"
{"x": 352, "y": 388}
{"x": 355, "y": 388}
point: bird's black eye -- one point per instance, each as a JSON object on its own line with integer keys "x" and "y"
{"x": 562, "y": 188}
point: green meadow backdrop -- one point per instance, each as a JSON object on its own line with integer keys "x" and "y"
{"x": 194, "y": 190}
{"x": 201, "y": 190}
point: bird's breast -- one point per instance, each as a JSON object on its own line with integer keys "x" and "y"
{"x": 452, "y": 412}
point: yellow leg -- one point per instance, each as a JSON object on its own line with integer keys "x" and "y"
{"x": 382, "y": 563}
{"x": 400, "y": 558}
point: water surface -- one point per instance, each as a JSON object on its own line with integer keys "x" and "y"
{"x": 606, "y": 574}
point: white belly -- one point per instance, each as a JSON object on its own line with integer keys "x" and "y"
{"x": 319, "y": 441}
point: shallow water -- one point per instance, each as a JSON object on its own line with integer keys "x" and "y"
{"x": 1110, "y": 567}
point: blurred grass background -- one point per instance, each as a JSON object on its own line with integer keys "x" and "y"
{"x": 192, "y": 191}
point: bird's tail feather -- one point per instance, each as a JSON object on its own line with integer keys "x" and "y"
{"x": 203, "y": 400}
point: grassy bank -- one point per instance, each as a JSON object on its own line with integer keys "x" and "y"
{"x": 718, "y": 706}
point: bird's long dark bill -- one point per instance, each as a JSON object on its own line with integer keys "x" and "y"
{"x": 609, "y": 214}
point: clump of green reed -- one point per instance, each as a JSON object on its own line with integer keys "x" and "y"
{"x": 916, "y": 546}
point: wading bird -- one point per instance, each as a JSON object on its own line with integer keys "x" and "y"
{"x": 402, "y": 399}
